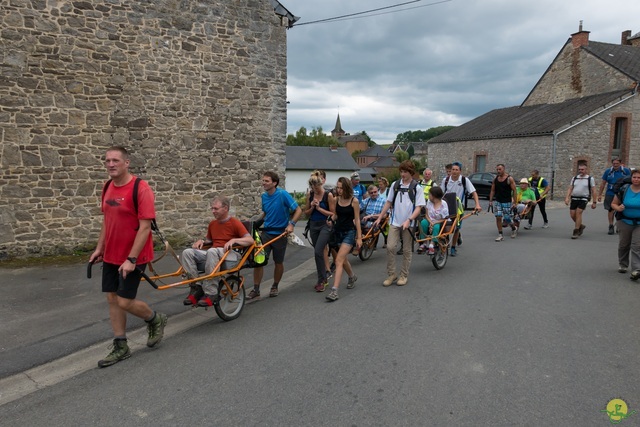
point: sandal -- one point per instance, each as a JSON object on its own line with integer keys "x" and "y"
{"x": 274, "y": 292}
{"x": 253, "y": 294}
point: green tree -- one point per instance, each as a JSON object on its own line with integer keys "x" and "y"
{"x": 421, "y": 135}
{"x": 370, "y": 142}
{"x": 401, "y": 156}
{"x": 315, "y": 138}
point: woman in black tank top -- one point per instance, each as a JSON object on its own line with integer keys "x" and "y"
{"x": 346, "y": 226}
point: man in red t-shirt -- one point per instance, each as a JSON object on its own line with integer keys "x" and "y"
{"x": 222, "y": 234}
{"x": 125, "y": 241}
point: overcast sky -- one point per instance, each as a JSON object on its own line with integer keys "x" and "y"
{"x": 435, "y": 64}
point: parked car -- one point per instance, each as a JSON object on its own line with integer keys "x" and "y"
{"x": 482, "y": 182}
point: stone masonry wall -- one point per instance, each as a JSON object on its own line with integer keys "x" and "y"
{"x": 588, "y": 141}
{"x": 576, "y": 74}
{"x": 196, "y": 90}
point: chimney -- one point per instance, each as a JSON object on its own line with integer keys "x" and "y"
{"x": 581, "y": 38}
{"x": 625, "y": 36}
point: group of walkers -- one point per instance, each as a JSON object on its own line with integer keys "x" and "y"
{"x": 338, "y": 217}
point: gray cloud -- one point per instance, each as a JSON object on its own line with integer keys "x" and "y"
{"x": 431, "y": 66}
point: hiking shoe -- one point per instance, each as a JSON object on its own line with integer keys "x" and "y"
{"x": 119, "y": 351}
{"x": 635, "y": 275}
{"x": 254, "y": 294}
{"x": 611, "y": 231}
{"x": 431, "y": 251}
{"x": 576, "y": 233}
{"x": 195, "y": 293}
{"x": 274, "y": 292}
{"x": 155, "y": 327}
{"x": 319, "y": 287}
{"x": 527, "y": 227}
{"x": 352, "y": 282}
{"x": 208, "y": 300}
{"x": 333, "y": 295}
{"x": 453, "y": 252}
{"x": 389, "y": 280}
{"x": 500, "y": 238}
{"x": 402, "y": 281}
{"x": 545, "y": 225}
{"x": 514, "y": 232}
{"x": 622, "y": 269}
{"x": 581, "y": 229}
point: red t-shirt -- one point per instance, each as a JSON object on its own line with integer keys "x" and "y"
{"x": 121, "y": 222}
{"x": 221, "y": 233}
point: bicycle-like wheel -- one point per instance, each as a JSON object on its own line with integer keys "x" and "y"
{"x": 232, "y": 298}
{"x": 439, "y": 259}
{"x": 367, "y": 248}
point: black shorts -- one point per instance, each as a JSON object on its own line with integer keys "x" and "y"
{"x": 279, "y": 247}
{"x": 608, "y": 198}
{"x": 111, "y": 281}
{"x": 578, "y": 204}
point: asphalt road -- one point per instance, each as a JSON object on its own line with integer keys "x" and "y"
{"x": 538, "y": 330}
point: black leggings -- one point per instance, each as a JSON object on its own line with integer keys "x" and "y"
{"x": 541, "y": 204}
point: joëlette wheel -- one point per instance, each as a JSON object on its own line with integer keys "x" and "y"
{"x": 231, "y": 298}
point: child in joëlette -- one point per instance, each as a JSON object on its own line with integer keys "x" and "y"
{"x": 436, "y": 211}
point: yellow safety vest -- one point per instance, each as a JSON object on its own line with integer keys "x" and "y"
{"x": 539, "y": 186}
{"x": 427, "y": 186}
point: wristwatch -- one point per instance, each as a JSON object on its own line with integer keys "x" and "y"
{"x": 292, "y": 223}
{"x": 132, "y": 259}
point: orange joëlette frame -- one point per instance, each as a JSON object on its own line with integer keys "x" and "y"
{"x": 248, "y": 250}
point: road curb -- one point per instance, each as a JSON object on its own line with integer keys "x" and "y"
{"x": 56, "y": 371}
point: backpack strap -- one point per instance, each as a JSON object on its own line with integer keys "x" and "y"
{"x": 136, "y": 185}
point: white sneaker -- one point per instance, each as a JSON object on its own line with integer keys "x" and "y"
{"x": 527, "y": 227}
{"x": 514, "y": 233}
{"x": 500, "y": 238}
{"x": 546, "y": 225}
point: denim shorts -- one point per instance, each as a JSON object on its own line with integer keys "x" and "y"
{"x": 346, "y": 237}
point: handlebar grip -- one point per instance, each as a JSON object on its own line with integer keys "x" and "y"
{"x": 147, "y": 278}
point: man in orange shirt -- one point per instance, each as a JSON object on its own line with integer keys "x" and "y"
{"x": 222, "y": 234}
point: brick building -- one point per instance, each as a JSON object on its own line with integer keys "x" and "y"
{"x": 582, "y": 108}
{"x": 196, "y": 90}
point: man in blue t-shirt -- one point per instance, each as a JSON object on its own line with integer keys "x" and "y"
{"x": 277, "y": 206}
{"x": 609, "y": 178}
{"x": 359, "y": 190}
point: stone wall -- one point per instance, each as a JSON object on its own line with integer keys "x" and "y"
{"x": 196, "y": 90}
{"x": 521, "y": 155}
{"x": 576, "y": 74}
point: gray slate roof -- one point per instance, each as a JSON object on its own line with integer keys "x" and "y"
{"x": 385, "y": 162}
{"x": 533, "y": 120}
{"x": 376, "y": 151}
{"x": 624, "y": 58}
{"x": 310, "y": 158}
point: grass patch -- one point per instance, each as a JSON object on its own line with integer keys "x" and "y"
{"x": 46, "y": 261}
